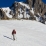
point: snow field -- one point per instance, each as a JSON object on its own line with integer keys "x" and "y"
{"x": 29, "y": 33}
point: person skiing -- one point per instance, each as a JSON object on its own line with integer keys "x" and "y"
{"x": 13, "y": 33}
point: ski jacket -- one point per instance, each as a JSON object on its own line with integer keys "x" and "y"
{"x": 13, "y": 32}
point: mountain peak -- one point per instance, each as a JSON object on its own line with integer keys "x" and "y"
{"x": 19, "y": 10}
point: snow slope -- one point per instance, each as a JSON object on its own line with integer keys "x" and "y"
{"x": 29, "y": 33}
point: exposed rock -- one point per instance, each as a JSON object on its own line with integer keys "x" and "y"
{"x": 17, "y": 9}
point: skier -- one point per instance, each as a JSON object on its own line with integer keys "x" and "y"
{"x": 14, "y": 33}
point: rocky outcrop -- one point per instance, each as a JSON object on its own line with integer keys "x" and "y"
{"x": 17, "y": 9}
{"x": 3, "y": 15}
{"x": 38, "y": 5}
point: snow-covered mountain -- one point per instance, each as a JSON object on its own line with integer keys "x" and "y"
{"x": 28, "y": 32}
{"x": 7, "y": 11}
{"x": 20, "y": 10}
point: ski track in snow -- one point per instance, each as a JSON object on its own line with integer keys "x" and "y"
{"x": 29, "y": 33}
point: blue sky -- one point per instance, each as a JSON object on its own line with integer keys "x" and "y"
{"x": 6, "y": 3}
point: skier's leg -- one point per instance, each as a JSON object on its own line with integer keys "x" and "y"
{"x": 13, "y": 36}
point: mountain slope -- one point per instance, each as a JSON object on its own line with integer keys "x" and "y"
{"x": 7, "y": 11}
{"x": 20, "y": 10}
{"x": 29, "y": 33}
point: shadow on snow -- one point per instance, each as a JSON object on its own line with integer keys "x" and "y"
{"x": 7, "y": 37}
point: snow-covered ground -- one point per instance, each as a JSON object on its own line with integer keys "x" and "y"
{"x": 29, "y": 33}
